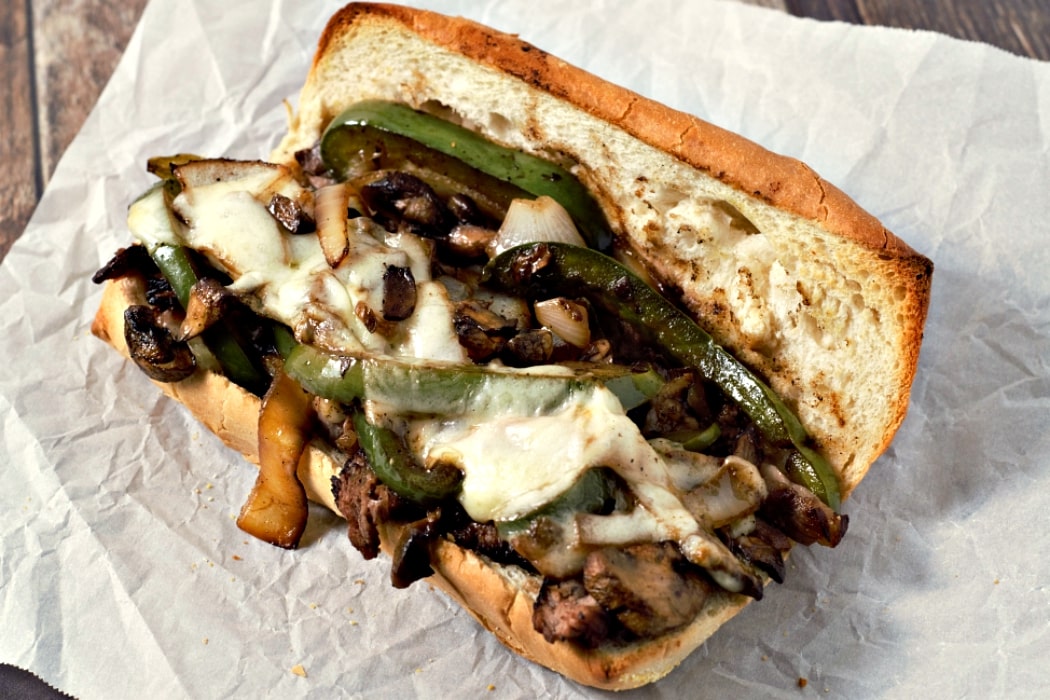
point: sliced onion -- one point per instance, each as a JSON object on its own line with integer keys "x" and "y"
{"x": 276, "y": 508}
{"x": 534, "y": 221}
{"x": 330, "y": 203}
{"x": 566, "y": 318}
{"x": 620, "y": 529}
{"x": 736, "y": 492}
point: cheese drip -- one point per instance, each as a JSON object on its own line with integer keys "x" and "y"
{"x": 542, "y": 456}
{"x": 286, "y": 276}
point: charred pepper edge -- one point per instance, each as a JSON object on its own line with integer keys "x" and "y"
{"x": 553, "y": 269}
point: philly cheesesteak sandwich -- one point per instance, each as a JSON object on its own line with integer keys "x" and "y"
{"x": 590, "y": 365}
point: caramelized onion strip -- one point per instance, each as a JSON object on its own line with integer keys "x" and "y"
{"x": 276, "y": 508}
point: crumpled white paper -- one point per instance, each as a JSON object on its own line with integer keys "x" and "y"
{"x": 122, "y": 573}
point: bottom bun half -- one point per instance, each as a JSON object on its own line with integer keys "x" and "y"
{"x": 500, "y": 597}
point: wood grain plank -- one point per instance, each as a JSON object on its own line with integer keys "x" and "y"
{"x": 1018, "y": 26}
{"x": 775, "y": 4}
{"x": 77, "y": 45}
{"x": 19, "y": 186}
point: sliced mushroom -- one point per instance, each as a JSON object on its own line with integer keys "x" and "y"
{"x": 207, "y": 303}
{"x": 760, "y": 554}
{"x": 399, "y": 293}
{"x": 466, "y": 210}
{"x": 411, "y": 556}
{"x": 401, "y": 195}
{"x": 469, "y": 241}
{"x": 276, "y": 508}
{"x": 153, "y": 348}
{"x": 291, "y": 215}
{"x": 133, "y": 259}
{"x": 532, "y": 347}
{"x": 798, "y": 513}
{"x": 482, "y": 332}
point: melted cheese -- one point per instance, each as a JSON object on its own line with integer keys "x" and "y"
{"x": 514, "y": 460}
{"x": 542, "y": 456}
{"x": 287, "y": 275}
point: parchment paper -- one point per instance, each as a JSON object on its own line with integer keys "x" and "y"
{"x": 123, "y": 574}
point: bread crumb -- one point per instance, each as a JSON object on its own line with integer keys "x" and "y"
{"x": 491, "y": 687}
{"x": 313, "y": 606}
{"x": 237, "y": 558}
{"x": 802, "y": 682}
{"x": 299, "y": 670}
{"x": 205, "y": 640}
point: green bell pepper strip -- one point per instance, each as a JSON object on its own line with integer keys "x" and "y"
{"x": 398, "y": 469}
{"x": 175, "y": 265}
{"x": 697, "y": 440}
{"x": 543, "y": 270}
{"x": 454, "y": 390}
{"x": 532, "y": 174}
{"x": 590, "y": 494}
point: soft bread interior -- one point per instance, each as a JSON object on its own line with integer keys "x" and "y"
{"x": 777, "y": 264}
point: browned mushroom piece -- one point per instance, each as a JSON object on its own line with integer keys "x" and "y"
{"x": 291, "y": 215}
{"x": 482, "y": 332}
{"x": 798, "y": 513}
{"x": 399, "y": 293}
{"x": 402, "y": 195}
{"x": 208, "y": 302}
{"x": 153, "y": 347}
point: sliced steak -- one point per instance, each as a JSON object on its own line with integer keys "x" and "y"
{"x": 650, "y": 588}
{"x": 364, "y": 502}
{"x": 565, "y": 611}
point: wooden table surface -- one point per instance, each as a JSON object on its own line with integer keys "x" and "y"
{"x": 56, "y": 56}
